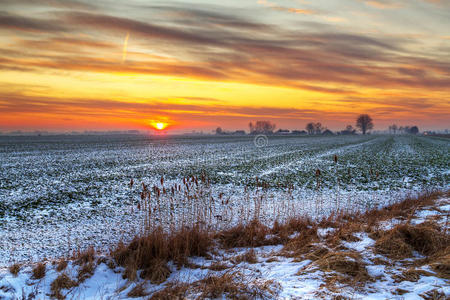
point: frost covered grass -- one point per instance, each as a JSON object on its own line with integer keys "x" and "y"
{"x": 305, "y": 217}
{"x": 339, "y": 256}
{"x": 60, "y": 194}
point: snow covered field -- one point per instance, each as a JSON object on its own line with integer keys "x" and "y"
{"x": 58, "y": 194}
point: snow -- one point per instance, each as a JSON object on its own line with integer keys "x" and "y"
{"x": 59, "y": 194}
{"x": 296, "y": 278}
{"x": 361, "y": 245}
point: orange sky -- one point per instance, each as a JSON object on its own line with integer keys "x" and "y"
{"x": 107, "y": 65}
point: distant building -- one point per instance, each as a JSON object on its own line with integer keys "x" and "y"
{"x": 299, "y": 132}
{"x": 328, "y": 132}
{"x": 282, "y": 132}
{"x": 239, "y": 132}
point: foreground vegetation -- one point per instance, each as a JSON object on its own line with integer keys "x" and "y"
{"x": 408, "y": 240}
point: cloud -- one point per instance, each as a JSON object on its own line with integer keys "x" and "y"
{"x": 66, "y": 4}
{"x": 215, "y": 43}
{"x": 384, "y": 4}
{"x": 304, "y": 60}
{"x": 107, "y": 22}
{"x": 21, "y": 23}
{"x": 293, "y": 10}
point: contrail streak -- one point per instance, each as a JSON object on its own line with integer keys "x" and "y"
{"x": 125, "y": 46}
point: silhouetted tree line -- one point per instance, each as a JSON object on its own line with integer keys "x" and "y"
{"x": 262, "y": 127}
{"x": 364, "y": 123}
{"x": 394, "y": 129}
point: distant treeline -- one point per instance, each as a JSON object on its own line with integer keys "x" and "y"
{"x": 364, "y": 124}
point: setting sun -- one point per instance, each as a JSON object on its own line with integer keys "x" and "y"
{"x": 159, "y": 125}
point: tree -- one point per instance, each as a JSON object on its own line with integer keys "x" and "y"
{"x": 394, "y": 128}
{"x": 406, "y": 129}
{"x": 310, "y": 128}
{"x": 414, "y": 130}
{"x": 348, "y": 130}
{"x": 318, "y": 128}
{"x": 219, "y": 130}
{"x": 364, "y": 123}
{"x": 265, "y": 127}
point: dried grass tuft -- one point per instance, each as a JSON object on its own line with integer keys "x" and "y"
{"x": 63, "y": 281}
{"x": 347, "y": 263}
{"x": 425, "y": 238}
{"x": 39, "y": 271}
{"x": 441, "y": 264}
{"x": 86, "y": 271}
{"x": 138, "y": 291}
{"x": 62, "y": 265}
{"x": 157, "y": 272}
{"x": 250, "y": 235}
{"x": 231, "y": 285}
{"x": 249, "y": 257}
{"x": 171, "y": 291}
{"x": 15, "y": 269}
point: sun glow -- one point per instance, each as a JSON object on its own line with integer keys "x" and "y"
{"x": 159, "y": 125}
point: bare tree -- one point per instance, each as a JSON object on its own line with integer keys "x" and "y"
{"x": 394, "y": 128}
{"x": 310, "y": 128}
{"x": 265, "y": 127}
{"x": 318, "y": 128}
{"x": 364, "y": 123}
{"x": 348, "y": 130}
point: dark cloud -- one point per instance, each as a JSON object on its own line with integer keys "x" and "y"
{"x": 106, "y": 22}
{"x": 15, "y": 22}
{"x": 220, "y": 46}
{"x": 188, "y": 16}
{"x": 64, "y": 4}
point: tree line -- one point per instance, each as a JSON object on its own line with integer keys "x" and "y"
{"x": 364, "y": 124}
{"x": 394, "y": 129}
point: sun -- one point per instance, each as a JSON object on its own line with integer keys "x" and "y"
{"x": 159, "y": 125}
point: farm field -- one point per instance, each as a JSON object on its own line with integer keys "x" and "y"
{"x": 59, "y": 194}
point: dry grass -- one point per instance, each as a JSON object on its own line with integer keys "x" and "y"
{"x": 232, "y": 285}
{"x": 38, "y": 271}
{"x": 63, "y": 281}
{"x": 440, "y": 263}
{"x": 62, "y": 265}
{"x": 434, "y": 295}
{"x": 302, "y": 243}
{"x": 171, "y": 291}
{"x": 249, "y": 257}
{"x": 151, "y": 253}
{"x": 346, "y": 263}
{"x": 392, "y": 244}
{"x": 84, "y": 257}
{"x": 229, "y": 285}
{"x": 138, "y": 291}
{"x": 318, "y": 253}
{"x": 218, "y": 266}
{"x": 250, "y": 235}
{"x": 412, "y": 275}
{"x": 86, "y": 271}
{"x": 158, "y": 271}
{"x": 399, "y": 242}
{"x": 15, "y": 269}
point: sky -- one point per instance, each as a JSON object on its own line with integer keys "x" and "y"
{"x": 196, "y": 65}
